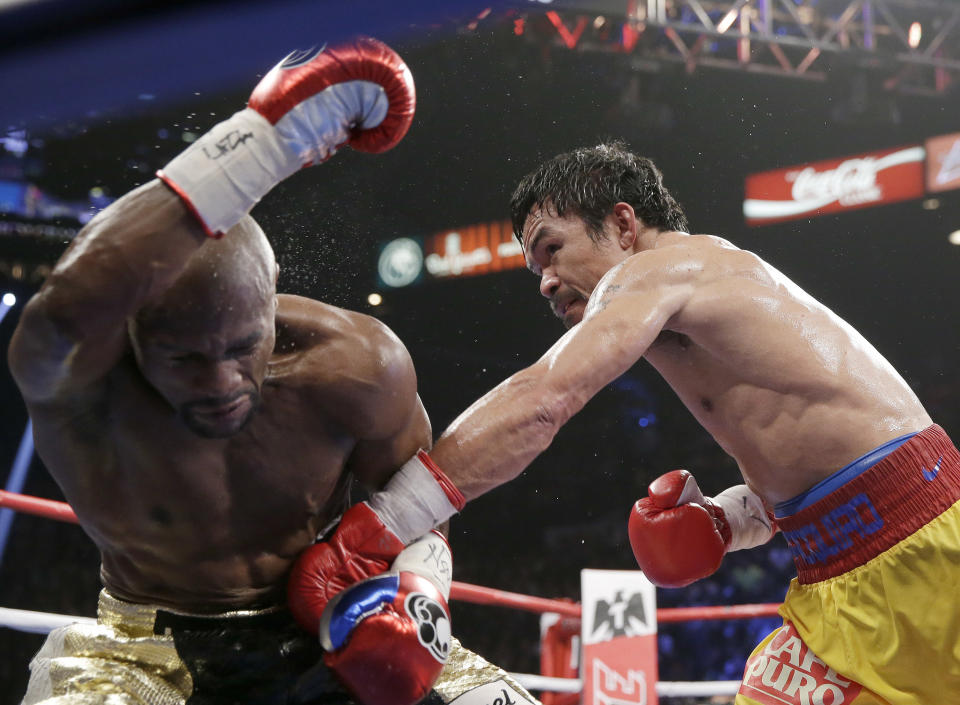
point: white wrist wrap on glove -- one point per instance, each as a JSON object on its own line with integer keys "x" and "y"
{"x": 229, "y": 169}
{"x": 430, "y": 558}
{"x": 226, "y": 171}
{"x": 747, "y": 516}
{"x": 412, "y": 503}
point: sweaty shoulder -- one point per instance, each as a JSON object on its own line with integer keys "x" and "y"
{"x": 678, "y": 260}
{"x": 677, "y": 277}
{"x": 350, "y": 364}
{"x": 682, "y": 251}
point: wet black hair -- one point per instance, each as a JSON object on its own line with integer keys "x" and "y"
{"x": 589, "y": 181}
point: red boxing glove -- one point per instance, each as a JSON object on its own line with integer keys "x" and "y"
{"x": 361, "y": 547}
{"x": 372, "y": 80}
{"x": 359, "y": 93}
{"x": 388, "y": 637}
{"x": 370, "y": 536}
{"x": 679, "y": 536}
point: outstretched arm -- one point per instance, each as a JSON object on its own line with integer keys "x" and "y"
{"x": 491, "y": 442}
{"x": 500, "y": 434}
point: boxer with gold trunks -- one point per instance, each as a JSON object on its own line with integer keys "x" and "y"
{"x": 206, "y": 430}
{"x": 148, "y": 654}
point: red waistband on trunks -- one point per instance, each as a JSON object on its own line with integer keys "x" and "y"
{"x": 877, "y": 509}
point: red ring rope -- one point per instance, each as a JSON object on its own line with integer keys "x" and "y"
{"x": 465, "y": 592}
{"x": 61, "y": 511}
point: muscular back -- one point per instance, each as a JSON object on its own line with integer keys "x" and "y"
{"x": 785, "y": 386}
{"x": 207, "y": 524}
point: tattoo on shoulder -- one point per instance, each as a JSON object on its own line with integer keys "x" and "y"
{"x": 607, "y": 295}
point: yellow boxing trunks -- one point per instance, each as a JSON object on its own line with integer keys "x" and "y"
{"x": 145, "y": 655}
{"x": 872, "y": 617}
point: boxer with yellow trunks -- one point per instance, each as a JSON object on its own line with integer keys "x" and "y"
{"x": 787, "y": 388}
{"x": 877, "y": 546}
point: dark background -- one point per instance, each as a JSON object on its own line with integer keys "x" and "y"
{"x": 491, "y": 105}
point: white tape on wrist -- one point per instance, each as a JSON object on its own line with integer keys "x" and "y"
{"x": 747, "y": 516}
{"x": 428, "y": 557}
{"x": 229, "y": 169}
{"x": 412, "y": 503}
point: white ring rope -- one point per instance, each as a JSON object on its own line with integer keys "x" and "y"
{"x": 693, "y": 689}
{"x": 38, "y": 622}
{"x": 665, "y": 689}
{"x": 44, "y": 622}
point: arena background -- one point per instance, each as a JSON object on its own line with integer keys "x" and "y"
{"x": 95, "y": 96}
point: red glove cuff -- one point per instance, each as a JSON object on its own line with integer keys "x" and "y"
{"x": 453, "y": 494}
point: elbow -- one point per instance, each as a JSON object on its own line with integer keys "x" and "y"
{"x": 37, "y": 352}
{"x": 551, "y": 410}
{"x": 543, "y": 427}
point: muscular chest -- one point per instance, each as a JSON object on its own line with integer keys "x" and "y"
{"x": 717, "y": 394}
{"x": 283, "y": 443}
{"x": 276, "y": 477}
{"x": 691, "y": 371}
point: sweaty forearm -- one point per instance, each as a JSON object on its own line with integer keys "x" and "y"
{"x": 74, "y": 329}
{"x": 490, "y": 444}
{"x": 127, "y": 254}
{"x": 497, "y": 437}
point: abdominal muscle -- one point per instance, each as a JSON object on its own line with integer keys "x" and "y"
{"x": 799, "y": 398}
{"x": 214, "y": 530}
{"x": 201, "y": 587}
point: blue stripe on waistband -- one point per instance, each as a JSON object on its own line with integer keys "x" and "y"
{"x": 839, "y": 478}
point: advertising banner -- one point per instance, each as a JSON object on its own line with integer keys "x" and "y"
{"x": 834, "y": 185}
{"x": 459, "y": 252}
{"x": 619, "y": 635}
{"x": 943, "y": 162}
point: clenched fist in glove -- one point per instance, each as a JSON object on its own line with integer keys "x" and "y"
{"x": 387, "y": 637}
{"x": 336, "y": 587}
{"x": 679, "y": 536}
{"x": 359, "y": 93}
{"x": 370, "y": 536}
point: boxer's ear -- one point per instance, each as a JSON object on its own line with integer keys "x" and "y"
{"x": 625, "y": 221}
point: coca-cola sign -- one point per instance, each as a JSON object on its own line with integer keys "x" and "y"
{"x": 834, "y": 185}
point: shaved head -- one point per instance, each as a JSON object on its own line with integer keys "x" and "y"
{"x": 237, "y": 270}
{"x": 205, "y": 343}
